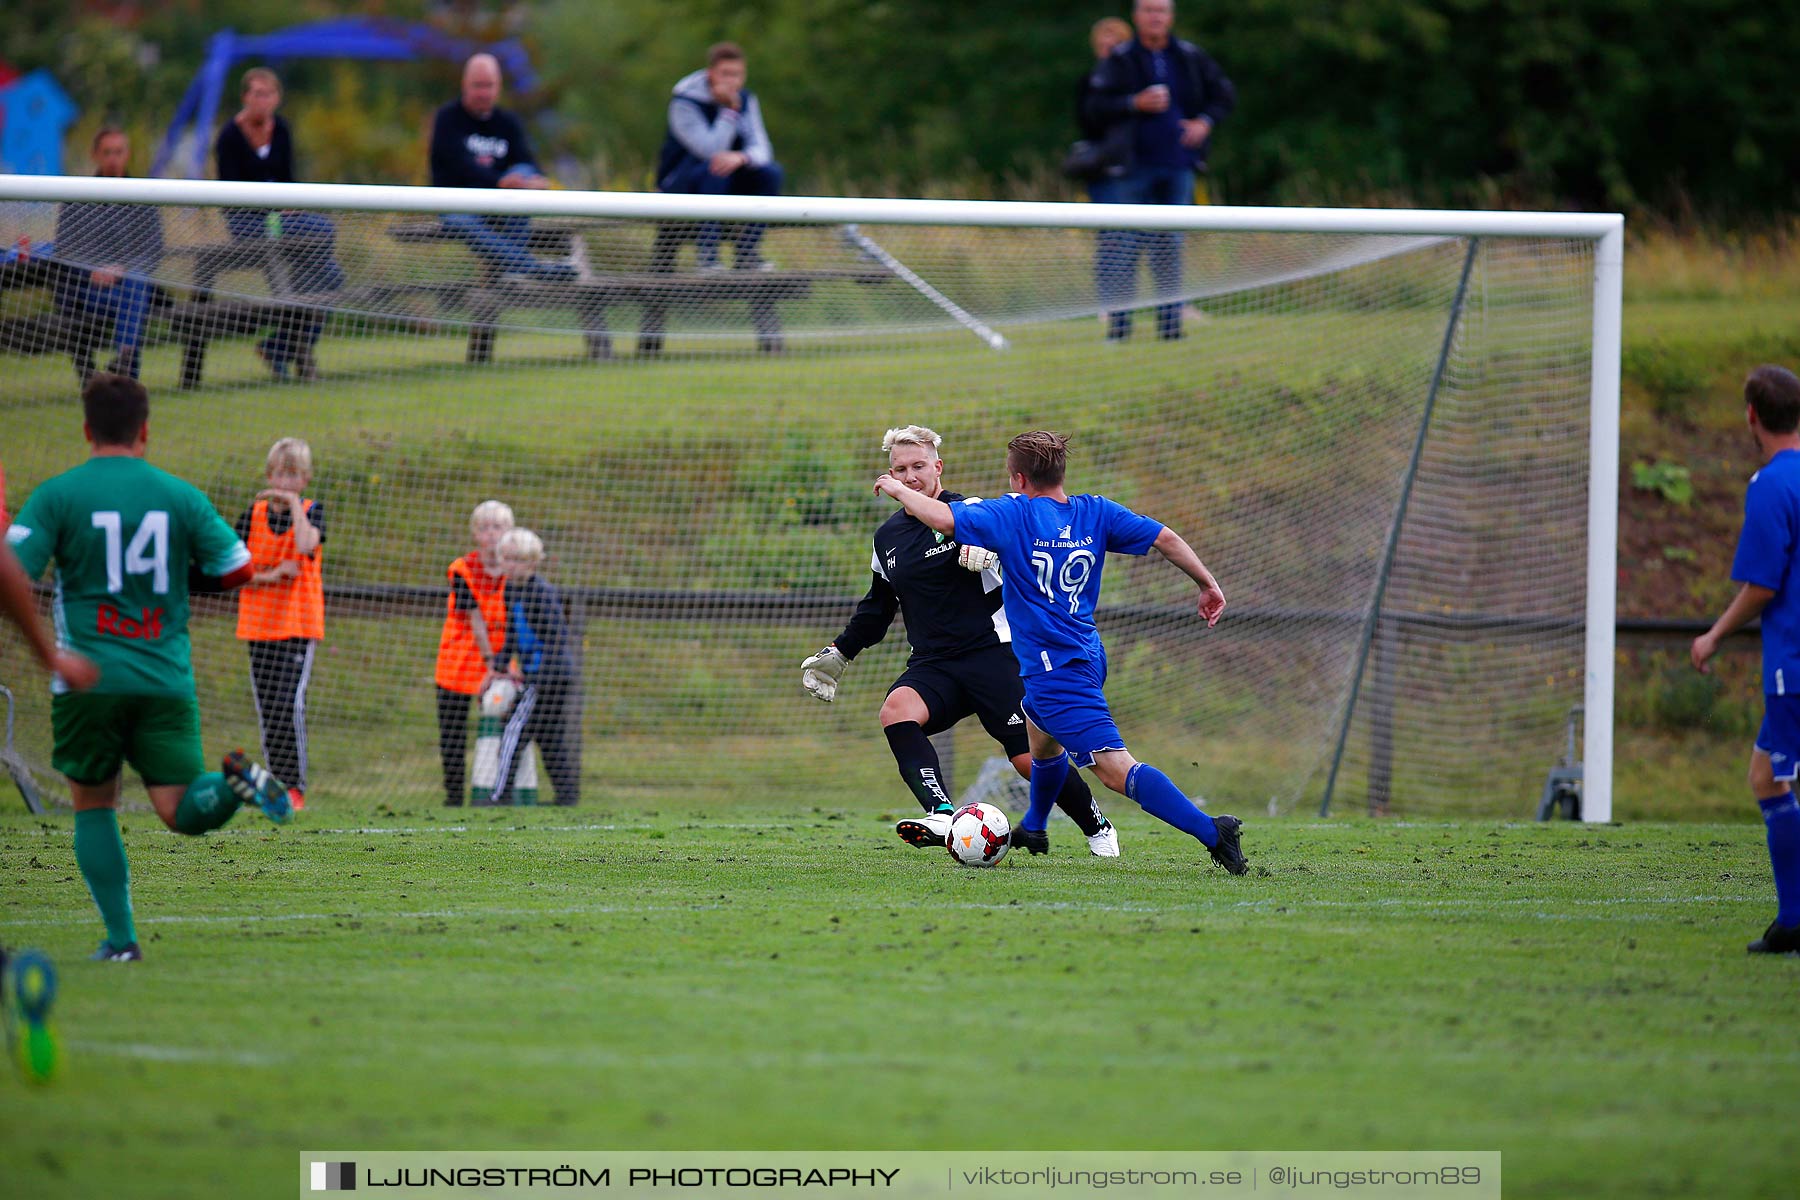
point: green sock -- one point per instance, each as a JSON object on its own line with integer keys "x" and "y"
{"x": 206, "y": 805}
{"x": 100, "y": 853}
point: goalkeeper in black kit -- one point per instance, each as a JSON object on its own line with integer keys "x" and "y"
{"x": 961, "y": 663}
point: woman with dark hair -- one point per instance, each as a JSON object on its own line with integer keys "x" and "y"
{"x": 256, "y": 146}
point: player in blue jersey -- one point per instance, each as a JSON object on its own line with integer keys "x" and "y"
{"x": 1053, "y": 547}
{"x": 1764, "y": 565}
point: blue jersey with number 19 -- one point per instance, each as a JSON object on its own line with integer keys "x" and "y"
{"x": 1052, "y": 553}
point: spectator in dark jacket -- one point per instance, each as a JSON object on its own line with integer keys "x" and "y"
{"x": 477, "y": 144}
{"x": 539, "y": 647}
{"x": 1175, "y": 96}
{"x": 1107, "y": 35}
{"x": 255, "y": 146}
{"x": 109, "y": 250}
{"x": 716, "y": 146}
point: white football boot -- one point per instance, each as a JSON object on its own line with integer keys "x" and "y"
{"x": 1105, "y": 842}
{"x": 926, "y": 829}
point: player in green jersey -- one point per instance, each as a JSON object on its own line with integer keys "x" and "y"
{"x": 124, "y": 536}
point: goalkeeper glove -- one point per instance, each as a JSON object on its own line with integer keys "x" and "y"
{"x": 974, "y": 558}
{"x": 820, "y": 673}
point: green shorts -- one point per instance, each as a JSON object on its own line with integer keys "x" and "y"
{"x": 158, "y": 735}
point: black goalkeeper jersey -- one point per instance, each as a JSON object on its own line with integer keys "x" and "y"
{"x": 950, "y": 611}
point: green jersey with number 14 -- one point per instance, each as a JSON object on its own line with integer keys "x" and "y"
{"x": 122, "y": 534}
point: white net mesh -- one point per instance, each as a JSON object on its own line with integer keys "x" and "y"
{"x": 694, "y": 441}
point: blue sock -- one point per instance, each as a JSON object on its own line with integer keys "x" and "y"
{"x": 1782, "y": 815}
{"x": 1157, "y": 795}
{"x": 1047, "y": 778}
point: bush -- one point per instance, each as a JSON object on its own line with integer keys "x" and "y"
{"x": 1671, "y": 481}
{"x": 1673, "y": 377}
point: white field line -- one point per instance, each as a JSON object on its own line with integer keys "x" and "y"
{"x": 176, "y": 1054}
{"x": 257, "y": 830}
{"x": 497, "y": 827}
{"x": 77, "y": 917}
{"x": 86, "y": 916}
{"x": 566, "y": 1056}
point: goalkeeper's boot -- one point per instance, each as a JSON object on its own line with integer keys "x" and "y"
{"x": 1104, "y": 841}
{"x": 931, "y": 829}
{"x": 1037, "y": 841}
{"x": 1777, "y": 939}
{"x": 33, "y": 1043}
{"x": 108, "y": 952}
{"x": 251, "y": 783}
{"x": 1226, "y": 851}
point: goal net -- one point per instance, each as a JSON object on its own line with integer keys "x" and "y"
{"x": 1379, "y": 442}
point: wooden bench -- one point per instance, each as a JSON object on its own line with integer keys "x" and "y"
{"x": 273, "y": 257}
{"x": 654, "y": 294}
{"x": 487, "y": 297}
{"x": 76, "y": 334}
{"x": 208, "y": 316}
{"x": 542, "y": 236}
{"x": 654, "y": 291}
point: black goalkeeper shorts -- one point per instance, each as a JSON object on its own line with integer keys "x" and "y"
{"x": 984, "y": 684}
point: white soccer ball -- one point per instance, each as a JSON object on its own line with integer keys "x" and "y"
{"x": 497, "y": 701}
{"x": 980, "y": 835}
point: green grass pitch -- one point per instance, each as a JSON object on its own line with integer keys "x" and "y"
{"x": 793, "y": 977}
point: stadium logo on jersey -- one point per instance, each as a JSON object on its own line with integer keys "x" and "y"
{"x": 147, "y": 628}
{"x": 936, "y": 550}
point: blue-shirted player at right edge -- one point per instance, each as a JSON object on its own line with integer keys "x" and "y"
{"x": 1764, "y": 564}
{"x": 1052, "y": 547}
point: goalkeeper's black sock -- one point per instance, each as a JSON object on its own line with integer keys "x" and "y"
{"x": 918, "y": 762}
{"x": 1077, "y": 802}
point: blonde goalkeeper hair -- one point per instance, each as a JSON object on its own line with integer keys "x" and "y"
{"x": 491, "y": 514}
{"x": 910, "y": 435}
{"x": 521, "y": 546}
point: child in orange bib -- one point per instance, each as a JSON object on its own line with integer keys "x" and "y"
{"x": 281, "y": 612}
{"x": 469, "y": 646}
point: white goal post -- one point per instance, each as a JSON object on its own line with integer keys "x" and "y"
{"x": 1603, "y": 232}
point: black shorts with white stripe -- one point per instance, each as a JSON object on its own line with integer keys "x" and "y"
{"x": 982, "y": 683}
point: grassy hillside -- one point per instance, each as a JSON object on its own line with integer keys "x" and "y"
{"x": 1700, "y": 313}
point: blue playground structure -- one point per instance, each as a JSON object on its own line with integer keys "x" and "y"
{"x": 34, "y": 113}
